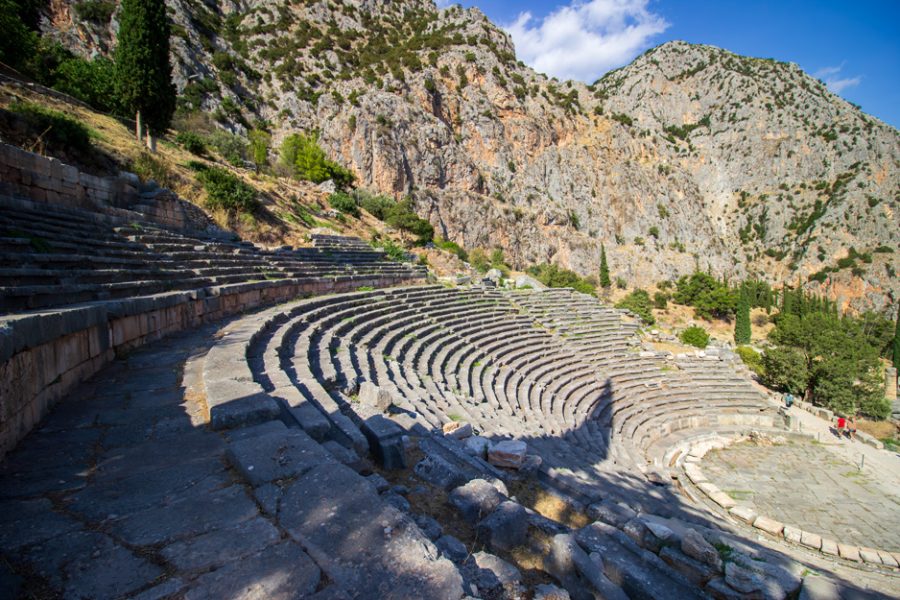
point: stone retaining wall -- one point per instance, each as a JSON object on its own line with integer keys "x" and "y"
{"x": 45, "y": 354}
{"x": 43, "y": 179}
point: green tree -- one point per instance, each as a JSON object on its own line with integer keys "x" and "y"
{"x": 742, "y": 320}
{"x": 18, "y": 43}
{"x": 785, "y": 369}
{"x": 259, "y": 147}
{"x": 143, "y": 72}
{"x": 639, "y": 303}
{"x": 896, "y": 354}
{"x": 605, "y": 281}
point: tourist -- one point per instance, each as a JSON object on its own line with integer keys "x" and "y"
{"x": 851, "y": 428}
{"x": 788, "y": 399}
{"x": 841, "y": 425}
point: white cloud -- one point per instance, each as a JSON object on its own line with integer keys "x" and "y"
{"x": 583, "y": 40}
{"x": 832, "y": 79}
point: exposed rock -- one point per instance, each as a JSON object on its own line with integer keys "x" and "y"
{"x": 452, "y": 548}
{"x": 695, "y": 545}
{"x": 505, "y": 527}
{"x": 477, "y": 446}
{"x": 741, "y": 579}
{"x": 508, "y": 453}
{"x": 457, "y": 430}
{"x": 476, "y": 499}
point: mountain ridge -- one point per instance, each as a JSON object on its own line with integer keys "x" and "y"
{"x": 689, "y": 157}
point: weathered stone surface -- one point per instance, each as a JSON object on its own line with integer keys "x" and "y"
{"x": 386, "y": 441}
{"x": 439, "y": 472}
{"x": 695, "y": 571}
{"x": 695, "y": 545}
{"x": 476, "y": 499}
{"x": 429, "y": 526}
{"x": 508, "y": 453}
{"x": 372, "y": 549}
{"x": 741, "y": 579}
{"x": 611, "y": 513}
{"x": 477, "y": 446}
{"x": 216, "y": 548}
{"x": 817, "y": 587}
{"x": 452, "y": 548}
{"x": 281, "y": 572}
{"x": 380, "y": 483}
{"x": 279, "y": 455}
{"x": 720, "y": 590}
{"x": 779, "y": 581}
{"x": 550, "y": 592}
{"x": 887, "y": 559}
{"x": 397, "y": 501}
{"x": 577, "y": 572}
{"x": 870, "y": 555}
{"x": 457, "y": 430}
{"x": 375, "y": 397}
{"x": 768, "y": 525}
{"x": 505, "y": 528}
{"x": 490, "y": 572}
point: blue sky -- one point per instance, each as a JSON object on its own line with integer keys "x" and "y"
{"x": 853, "y": 45}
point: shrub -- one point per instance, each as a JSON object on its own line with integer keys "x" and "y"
{"x": 403, "y": 217}
{"x": 556, "y": 277}
{"x": 376, "y": 205}
{"x": 695, "y": 336}
{"x": 148, "y": 167}
{"x": 752, "y": 359}
{"x": 343, "y": 202}
{"x": 191, "y": 142}
{"x": 232, "y": 148}
{"x": 660, "y": 300}
{"x": 639, "y": 303}
{"x": 453, "y": 248}
{"x": 225, "y": 190}
{"x": 621, "y": 283}
{"x": 392, "y": 250}
{"x": 308, "y": 161}
{"x": 55, "y": 127}
{"x": 91, "y": 81}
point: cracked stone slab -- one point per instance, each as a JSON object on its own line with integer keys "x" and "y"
{"x": 277, "y": 455}
{"x": 280, "y": 572}
{"x": 218, "y": 547}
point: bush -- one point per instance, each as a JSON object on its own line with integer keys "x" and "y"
{"x": 752, "y": 359}
{"x": 556, "y": 277}
{"x": 392, "y": 250}
{"x": 344, "y": 203}
{"x": 225, "y": 190}
{"x": 232, "y": 148}
{"x": 191, "y": 142}
{"x": 785, "y": 369}
{"x": 695, "y": 336}
{"x": 660, "y": 300}
{"x": 308, "y": 162}
{"x": 55, "y": 127}
{"x": 149, "y": 167}
{"x": 376, "y": 205}
{"x": 638, "y": 302}
{"x": 91, "y": 81}
{"x": 403, "y": 217}
{"x": 453, "y": 248}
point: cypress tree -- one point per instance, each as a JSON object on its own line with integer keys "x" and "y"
{"x": 143, "y": 72}
{"x": 604, "y": 269}
{"x": 742, "y": 321}
{"x": 896, "y": 357}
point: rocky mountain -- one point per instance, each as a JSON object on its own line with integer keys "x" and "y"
{"x": 689, "y": 157}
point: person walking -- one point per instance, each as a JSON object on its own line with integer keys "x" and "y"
{"x": 789, "y": 399}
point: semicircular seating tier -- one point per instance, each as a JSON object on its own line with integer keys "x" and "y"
{"x": 555, "y": 369}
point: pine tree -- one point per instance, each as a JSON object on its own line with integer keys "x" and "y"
{"x": 896, "y": 357}
{"x": 143, "y": 72}
{"x": 742, "y": 321}
{"x": 604, "y": 269}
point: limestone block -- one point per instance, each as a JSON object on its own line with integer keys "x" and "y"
{"x": 695, "y": 545}
{"x": 741, "y": 579}
{"x": 829, "y": 547}
{"x": 811, "y": 540}
{"x": 792, "y": 534}
{"x": 505, "y": 528}
{"x": 723, "y": 500}
{"x": 849, "y": 552}
{"x": 508, "y": 453}
{"x": 887, "y": 559}
{"x": 768, "y": 525}
{"x": 870, "y": 555}
{"x": 744, "y": 513}
{"x": 476, "y": 499}
{"x": 457, "y": 430}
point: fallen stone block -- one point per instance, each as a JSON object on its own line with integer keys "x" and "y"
{"x": 491, "y": 573}
{"x": 505, "y": 528}
{"x": 476, "y": 499}
{"x": 816, "y": 587}
{"x": 695, "y": 545}
{"x": 779, "y": 581}
{"x": 696, "y": 572}
{"x": 477, "y": 446}
{"x": 577, "y": 572}
{"x": 386, "y": 441}
{"x": 457, "y": 430}
{"x": 429, "y": 526}
{"x": 611, "y": 513}
{"x": 550, "y": 592}
{"x": 439, "y": 472}
{"x": 508, "y": 453}
{"x": 741, "y": 579}
{"x": 375, "y": 397}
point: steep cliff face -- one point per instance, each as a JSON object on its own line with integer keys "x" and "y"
{"x": 689, "y": 157}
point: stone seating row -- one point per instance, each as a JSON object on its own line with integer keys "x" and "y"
{"x": 53, "y": 256}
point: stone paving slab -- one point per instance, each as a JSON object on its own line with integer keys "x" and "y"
{"x": 805, "y": 485}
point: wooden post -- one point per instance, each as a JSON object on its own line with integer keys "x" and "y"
{"x": 151, "y": 142}
{"x": 138, "y": 130}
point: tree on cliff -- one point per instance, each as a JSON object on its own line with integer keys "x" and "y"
{"x": 143, "y": 72}
{"x": 604, "y": 269}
